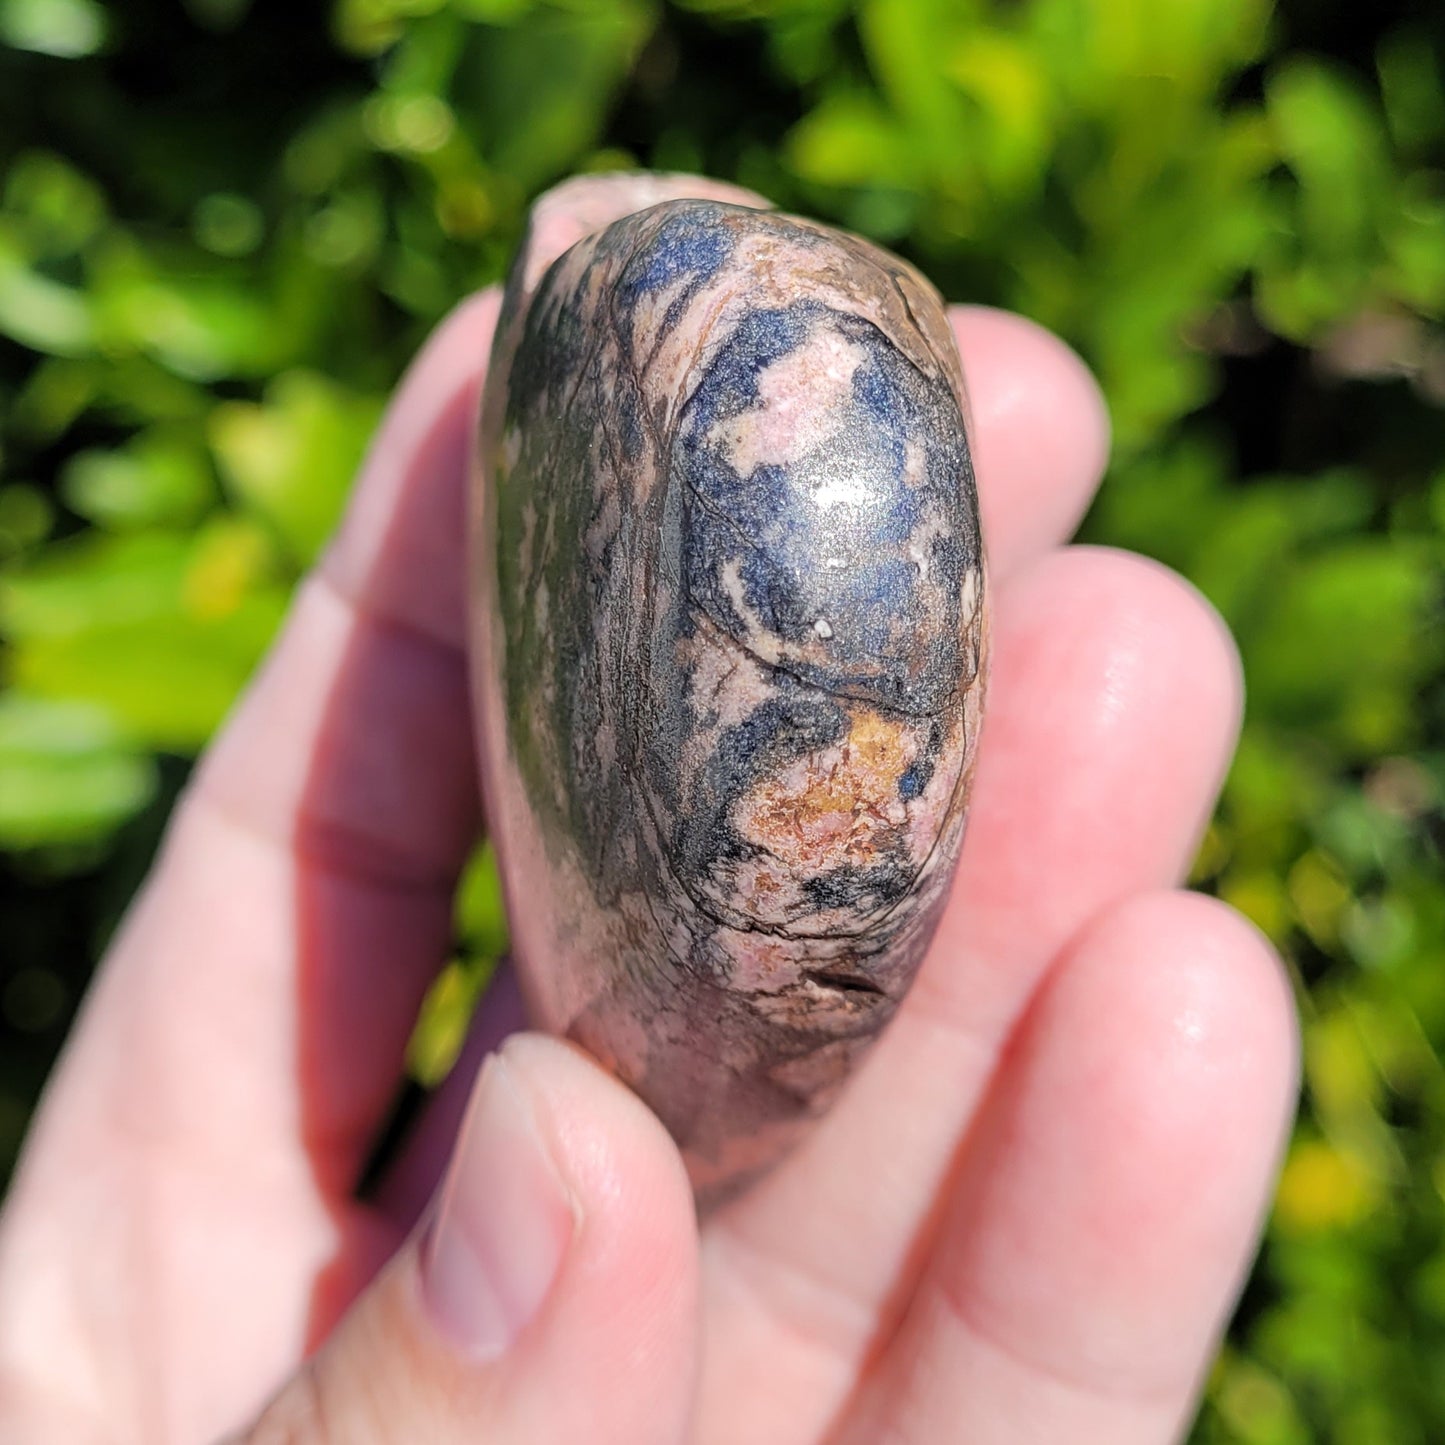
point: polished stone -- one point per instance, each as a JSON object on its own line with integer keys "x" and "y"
{"x": 730, "y": 645}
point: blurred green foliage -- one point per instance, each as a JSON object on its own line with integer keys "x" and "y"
{"x": 222, "y": 232}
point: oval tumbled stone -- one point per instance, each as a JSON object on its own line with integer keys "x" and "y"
{"x": 730, "y": 637}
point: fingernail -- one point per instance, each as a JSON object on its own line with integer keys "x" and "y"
{"x": 502, "y": 1226}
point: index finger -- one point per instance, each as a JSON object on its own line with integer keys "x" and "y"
{"x": 245, "y": 1035}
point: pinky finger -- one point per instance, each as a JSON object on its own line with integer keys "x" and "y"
{"x": 1108, "y": 1204}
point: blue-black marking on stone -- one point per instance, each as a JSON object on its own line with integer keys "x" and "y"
{"x": 886, "y": 404}
{"x": 692, "y": 241}
{"x": 760, "y": 338}
{"x": 759, "y": 549}
{"x": 868, "y": 890}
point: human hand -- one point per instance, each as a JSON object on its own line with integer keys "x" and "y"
{"x": 1026, "y": 1219}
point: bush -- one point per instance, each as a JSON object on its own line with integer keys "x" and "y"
{"x": 221, "y": 236}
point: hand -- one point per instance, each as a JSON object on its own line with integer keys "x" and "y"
{"x": 1026, "y": 1220}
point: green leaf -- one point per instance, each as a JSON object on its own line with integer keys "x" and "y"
{"x": 228, "y": 225}
{"x": 1319, "y": 267}
{"x": 1259, "y": 529}
{"x": 850, "y": 140}
{"x": 1192, "y": 43}
{"x": 1415, "y": 242}
{"x": 291, "y": 459}
{"x": 66, "y": 775}
{"x": 905, "y": 41}
{"x": 1342, "y": 642}
{"x": 159, "y": 480}
{"x": 159, "y": 631}
{"x": 446, "y": 1013}
{"x": 58, "y": 209}
{"x": 200, "y": 329}
{"x": 1332, "y": 139}
{"x": 1412, "y": 88}
{"x": 66, "y": 29}
{"x": 26, "y": 515}
{"x": 43, "y": 314}
{"x": 1008, "y": 82}
{"x": 536, "y": 92}
{"x": 481, "y": 915}
{"x": 493, "y": 12}
{"x": 166, "y": 682}
{"x": 369, "y": 26}
{"x": 96, "y": 580}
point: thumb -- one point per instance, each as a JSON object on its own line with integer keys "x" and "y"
{"x": 551, "y": 1294}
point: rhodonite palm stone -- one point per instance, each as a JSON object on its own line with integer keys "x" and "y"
{"x": 730, "y": 646}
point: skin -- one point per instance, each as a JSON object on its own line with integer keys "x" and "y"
{"x": 708, "y": 430}
{"x": 1026, "y": 1219}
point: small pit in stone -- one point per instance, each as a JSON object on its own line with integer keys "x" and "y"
{"x": 843, "y": 982}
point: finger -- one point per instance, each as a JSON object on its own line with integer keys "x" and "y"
{"x": 1113, "y": 711}
{"x": 1110, "y": 1200}
{"x": 1040, "y": 432}
{"x": 353, "y": 756}
{"x": 552, "y": 1296}
{"x": 303, "y": 898}
{"x": 247, "y": 1029}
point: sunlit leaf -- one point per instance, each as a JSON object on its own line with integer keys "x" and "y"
{"x": 850, "y": 141}
{"x": 293, "y": 457}
{"x": 446, "y": 1012}
{"x": 43, "y": 314}
{"x": 1342, "y": 640}
{"x": 1006, "y": 79}
{"x": 167, "y": 682}
{"x": 1322, "y": 1188}
{"x": 197, "y": 328}
{"x": 159, "y": 631}
{"x": 481, "y": 917}
{"x": 534, "y": 91}
{"x": 95, "y": 580}
{"x": 66, "y": 29}
{"x": 65, "y": 773}
{"x": 156, "y": 481}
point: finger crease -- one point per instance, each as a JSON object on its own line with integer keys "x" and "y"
{"x": 341, "y": 850}
{"x": 808, "y": 1308}
{"x": 331, "y": 577}
{"x": 1049, "y": 1371}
